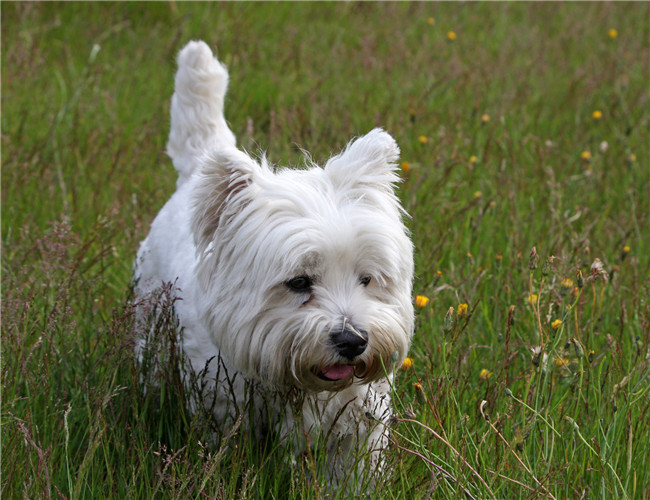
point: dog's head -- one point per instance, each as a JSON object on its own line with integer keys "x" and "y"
{"x": 306, "y": 275}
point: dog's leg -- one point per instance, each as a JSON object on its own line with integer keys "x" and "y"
{"x": 197, "y": 121}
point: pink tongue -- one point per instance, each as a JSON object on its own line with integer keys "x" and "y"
{"x": 338, "y": 372}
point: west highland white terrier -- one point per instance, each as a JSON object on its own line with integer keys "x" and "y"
{"x": 294, "y": 284}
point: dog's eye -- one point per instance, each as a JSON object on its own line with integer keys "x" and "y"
{"x": 300, "y": 284}
{"x": 365, "y": 280}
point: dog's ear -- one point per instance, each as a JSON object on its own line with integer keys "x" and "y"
{"x": 367, "y": 161}
{"x": 223, "y": 190}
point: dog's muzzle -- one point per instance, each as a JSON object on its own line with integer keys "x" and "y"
{"x": 349, "y": 343}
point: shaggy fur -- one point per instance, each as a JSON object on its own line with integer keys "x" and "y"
{"x": 295, "y": 285}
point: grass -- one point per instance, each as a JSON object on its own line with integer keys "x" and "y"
{"x": 492, "y": 124}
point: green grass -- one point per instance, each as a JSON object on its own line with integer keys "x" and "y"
{"x": 84, "y": 173}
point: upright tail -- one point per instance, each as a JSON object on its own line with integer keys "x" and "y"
{"x": 197, "y": 121}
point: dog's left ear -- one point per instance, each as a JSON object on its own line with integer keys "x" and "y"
{"x": 367, "y": 161}
{"x": 223, "y": 191}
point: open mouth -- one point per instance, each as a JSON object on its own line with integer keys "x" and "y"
{"x": 336, "y": 372}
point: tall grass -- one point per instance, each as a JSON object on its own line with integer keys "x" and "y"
{"x": 529, "y": 374}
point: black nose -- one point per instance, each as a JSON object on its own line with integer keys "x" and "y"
{"x": 350, "y": 342}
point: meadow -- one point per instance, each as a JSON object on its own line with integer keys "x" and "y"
{"x": 524, "y": 136}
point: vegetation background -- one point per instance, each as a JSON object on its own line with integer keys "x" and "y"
{"x": 522, "y": 126}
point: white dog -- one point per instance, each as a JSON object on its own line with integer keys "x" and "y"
{"x": 294, "y": 285}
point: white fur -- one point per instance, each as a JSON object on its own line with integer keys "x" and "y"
{"x": 232, "y": 236}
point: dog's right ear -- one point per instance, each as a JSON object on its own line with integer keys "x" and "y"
{"x": 223, "y": 190}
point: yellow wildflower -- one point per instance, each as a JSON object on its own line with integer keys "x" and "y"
{"x": 626, "y": 249}
{"x": 485, "y": 118}
{"x": 418, "y": 387}
{"x": 407, "y": 363}
{"x": 597, "y": 115}
{"x": 473, "y": 159}
{"x": 477, "y": 194}
{"x": 406, "y": 166}
{"x": 612, "y": 33}
{"x": 556, "y": 324}
{"x": 567, "y": 283}
{"x": 561, "y": 361}
{"x": 462, "y": 310}
{"x": 431, "y": 21}
{"x": 485, "y": 374}
{"x": 423, "y": 139}
{"x": 451, "y": 35}
{"x": 421, "y": 301}
{"x": 585, "y": 155}
{"x": 532, "y": 299}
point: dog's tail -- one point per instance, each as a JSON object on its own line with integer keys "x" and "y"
{"x": 197, "y": 121}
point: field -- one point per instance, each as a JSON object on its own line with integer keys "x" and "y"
{"x": 526, "y": 173}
